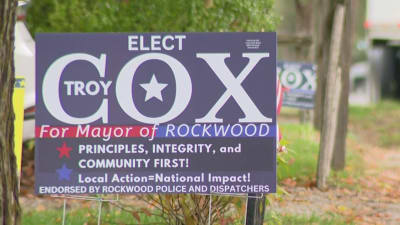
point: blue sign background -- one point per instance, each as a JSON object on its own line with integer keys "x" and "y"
{"x": 62, "y": 160}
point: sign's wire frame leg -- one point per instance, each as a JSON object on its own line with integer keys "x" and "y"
{"x": 101, "y": 200}
{"x": 210, "y": 211}
{"x": 99, "y": 211}
{"x": 77, "y": 197}
{"x": 250, "y": 196}
{"x": 64, "y": 209}
{"x": 245, "y": 213}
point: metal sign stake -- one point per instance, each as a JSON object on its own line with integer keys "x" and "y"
{"x": 255, "y": 210}
{"x": 64, "y": 209}
{"x": 100, "y": 207}
{"x": 210, "y": 211}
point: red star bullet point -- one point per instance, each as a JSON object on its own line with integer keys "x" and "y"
{"x": 64, "y": 150}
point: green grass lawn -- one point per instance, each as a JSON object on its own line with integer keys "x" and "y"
{"x": 378, "y": 124}
{"x": 276, "y": 219}
{"x": 303, "y": 147}
{"x": 86, "y": 216}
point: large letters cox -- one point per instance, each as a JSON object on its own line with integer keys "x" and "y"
{"x": 145, "y": 113}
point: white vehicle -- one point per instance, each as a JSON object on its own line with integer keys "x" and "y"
{"x": 383, "y": 25}
{"x": 24, "y": 58}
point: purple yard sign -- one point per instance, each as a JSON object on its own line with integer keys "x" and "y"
{"x": 155, "y": 113}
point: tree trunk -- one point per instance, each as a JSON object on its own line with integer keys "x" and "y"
{"x": 331, "y": 101}
{"x": 339, "y": 155}
{"x": 9, "y": 205}
{"x": 324, "y": 14}
{"x": 314, "y": 30}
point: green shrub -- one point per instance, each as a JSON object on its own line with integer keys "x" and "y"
{"x": 150, "y": 16}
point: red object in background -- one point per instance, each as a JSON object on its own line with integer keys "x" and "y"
{"x": 20, "y": 17}
{"x": 279, "y": 98}
{"x": 30, "y": 109}
{"x": 367, "y": 24}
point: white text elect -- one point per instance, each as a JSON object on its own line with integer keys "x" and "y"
{"x": 124, "y": 80}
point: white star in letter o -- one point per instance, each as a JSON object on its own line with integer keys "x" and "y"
{"x": 153, "y": 89}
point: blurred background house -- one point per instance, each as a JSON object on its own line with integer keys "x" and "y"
{"x": 383, "y": 34}
{"x": 376, "y": 54}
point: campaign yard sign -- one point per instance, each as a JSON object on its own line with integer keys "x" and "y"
{"x": 299, "y": 83}
{"x": 155, "y": 113}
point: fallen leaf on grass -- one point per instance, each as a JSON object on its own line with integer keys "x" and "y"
{"x": 136, "y": 215}
{"x": 331, "y": 197}
{"x": 146, "y": 211}
{"x": 310, "y": 183}
{"x": 289, "y": 182}
{"x": 291, "y": 161}
{"x": 349, "y": 180}
{"x": 344, "y": 210}
{"x": 40, "y": 208}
